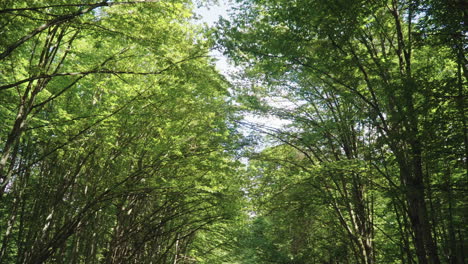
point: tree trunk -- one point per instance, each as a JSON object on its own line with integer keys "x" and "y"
{"x": 412, "y": 176}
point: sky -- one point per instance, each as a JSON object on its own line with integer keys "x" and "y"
{"x": 210, "y": 15}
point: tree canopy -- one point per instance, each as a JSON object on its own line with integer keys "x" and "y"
{"x": 377, "y": 146}
{"x": 120, "y": 142}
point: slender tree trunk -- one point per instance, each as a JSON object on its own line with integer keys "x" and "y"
{"x": 412, "y": 175}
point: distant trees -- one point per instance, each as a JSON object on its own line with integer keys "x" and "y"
{"x": 379, "y": 130}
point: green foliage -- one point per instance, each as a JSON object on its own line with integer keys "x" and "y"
{"x": 118, "y": 139}
{"x": 378, "y": 89}
{"x": 119, "y": 142}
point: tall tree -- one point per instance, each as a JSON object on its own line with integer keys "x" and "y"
{"x": 378, "y": 58}
{"x": 117, "y": 139}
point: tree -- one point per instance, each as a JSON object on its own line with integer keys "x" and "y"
{"x": 376, "y": 59}
{"x": 117, "y": 140}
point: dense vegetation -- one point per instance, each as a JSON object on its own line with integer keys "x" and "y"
{"x": 118, "y": 144}
{"x": 121, "y": 143}
{"x": 373, "y": 168}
